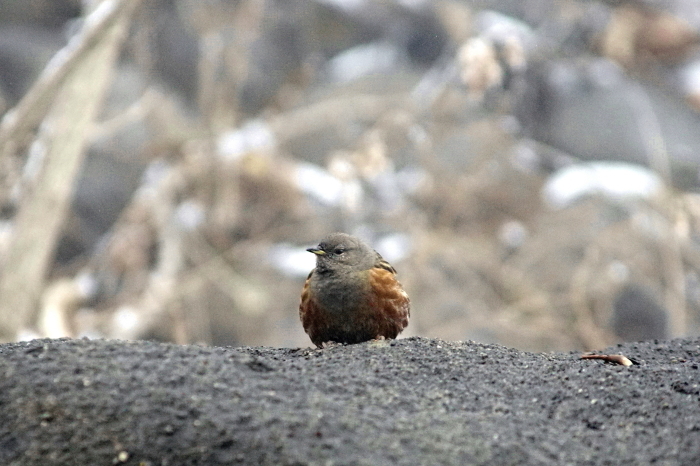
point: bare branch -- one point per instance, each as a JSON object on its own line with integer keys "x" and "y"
{"x": 74, "y": 84}
{"x": 28, "y": 113}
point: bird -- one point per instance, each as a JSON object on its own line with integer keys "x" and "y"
{"x": 352, "y": 295}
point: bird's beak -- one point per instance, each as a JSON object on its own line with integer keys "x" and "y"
{"x": 317, "y": 251}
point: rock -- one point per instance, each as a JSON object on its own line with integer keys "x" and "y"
{"x": 412, "y": 401}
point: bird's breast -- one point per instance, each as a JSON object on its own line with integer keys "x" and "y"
{"x": 341, "y": 293}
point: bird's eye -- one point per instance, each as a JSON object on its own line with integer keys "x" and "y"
{"x": 339, "y": 251}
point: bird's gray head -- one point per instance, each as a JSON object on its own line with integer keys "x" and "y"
{"x": 340, "y": 251}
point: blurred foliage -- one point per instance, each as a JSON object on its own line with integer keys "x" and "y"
{"x": 237, "y": 133}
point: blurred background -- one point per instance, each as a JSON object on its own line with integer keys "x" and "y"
{"x": 530, "y": 168}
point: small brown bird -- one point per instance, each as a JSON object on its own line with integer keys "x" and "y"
{"x": 352, "y": 295}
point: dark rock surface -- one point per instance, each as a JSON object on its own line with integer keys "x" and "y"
{"x": 412, "y": 401}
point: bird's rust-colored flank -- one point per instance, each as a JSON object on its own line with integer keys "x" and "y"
{"x": 352, "y": 295}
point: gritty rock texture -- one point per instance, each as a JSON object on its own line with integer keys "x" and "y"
{"x": 407, "y": 402}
